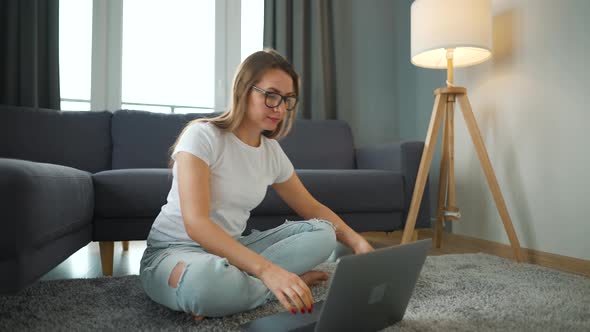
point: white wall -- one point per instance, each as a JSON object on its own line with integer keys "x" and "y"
{"x": 532, "y": 105}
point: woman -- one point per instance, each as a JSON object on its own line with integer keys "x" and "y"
{"x": 196, "y": 259}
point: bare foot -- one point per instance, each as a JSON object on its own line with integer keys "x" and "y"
{"x": 197, "y": 318}
{"x": 312, "y": 278}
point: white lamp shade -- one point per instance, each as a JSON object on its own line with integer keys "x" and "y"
{"x": 464, "y": 25}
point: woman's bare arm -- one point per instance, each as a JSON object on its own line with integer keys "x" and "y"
{"x": 304, "y": 204}
{"x": 193, "y": 188}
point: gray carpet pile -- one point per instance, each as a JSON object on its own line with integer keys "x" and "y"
{"x": 467, "y": 292}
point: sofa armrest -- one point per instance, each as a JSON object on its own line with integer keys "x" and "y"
{"x": 41, "y": 202}
{"x": 404, "y": 158}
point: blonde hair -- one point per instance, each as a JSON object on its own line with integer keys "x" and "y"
{"x": 249, "y": 73}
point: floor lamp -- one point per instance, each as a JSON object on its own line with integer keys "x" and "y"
{"x": 447, "y": 34}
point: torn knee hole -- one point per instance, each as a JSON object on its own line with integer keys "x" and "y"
{"x": 175, "y": 274}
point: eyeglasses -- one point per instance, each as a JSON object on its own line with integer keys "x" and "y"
{"x": 273, "y": 99}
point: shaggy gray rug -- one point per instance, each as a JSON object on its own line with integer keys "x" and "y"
{"x": 466, "y": 292}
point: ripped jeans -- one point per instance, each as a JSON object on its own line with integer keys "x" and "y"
{"x": 210, "y": 286}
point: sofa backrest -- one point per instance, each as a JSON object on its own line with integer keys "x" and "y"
{"x": 97, "y": 141}
{"x": 143, "y": 139}
{"x": 320, "y": 144}
{"x": 77, "y": 139}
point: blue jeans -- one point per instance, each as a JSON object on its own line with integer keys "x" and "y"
{"x": 210, "y": 286}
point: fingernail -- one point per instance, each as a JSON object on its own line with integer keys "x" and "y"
{"x": 294, "y": 311}
{"x": 309, "y": 311}
{"x": 302, "y": 310}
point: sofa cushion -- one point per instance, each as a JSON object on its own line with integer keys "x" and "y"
{"x": 344, "y": 191}
{"x": 359, "y": 221}
{"x": 143, "y": 139}
{"x": 77, "y": 139}
{"x": 320, "y": 144}
{"x": 131, "y": 192}
{"x": 135, "y": 193}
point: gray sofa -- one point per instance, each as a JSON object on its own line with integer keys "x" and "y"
{"x": 69, "y": 178}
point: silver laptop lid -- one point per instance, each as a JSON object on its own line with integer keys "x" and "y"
{"x": 371, "y": 291}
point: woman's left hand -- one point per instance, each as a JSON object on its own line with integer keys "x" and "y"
{"x": 362, "y": 246}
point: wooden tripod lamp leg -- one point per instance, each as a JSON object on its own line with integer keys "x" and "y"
{"x": 490, "y": 175}
{"x": 451, "y": 199}
{"x": 442, "y": 181}
{"x": 429, "y": 145}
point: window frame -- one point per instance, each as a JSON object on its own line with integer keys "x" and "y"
{"x": 107, "y": 55}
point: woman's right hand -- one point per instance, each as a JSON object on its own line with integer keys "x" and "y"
{"x": 288, "y": 288}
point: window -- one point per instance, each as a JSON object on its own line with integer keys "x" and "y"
{"x": 176, "y": 56}
{"x": 252, "y": 27}
{"x": 75, "y": 46}
{"x": 168, "y": 54}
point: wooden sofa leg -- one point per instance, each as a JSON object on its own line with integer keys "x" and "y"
{"x": 125, "y": 245}
{"x": 106, "y": 256}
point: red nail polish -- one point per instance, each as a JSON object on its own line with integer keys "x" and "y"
{"x": 309, "y": 311}
{"x": 294, "y": 311}
{"x": 302, "y": 310}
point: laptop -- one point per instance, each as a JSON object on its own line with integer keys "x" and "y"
{"x": 368, "y": 292}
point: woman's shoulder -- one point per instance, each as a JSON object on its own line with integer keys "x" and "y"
{"x": 272, "y": 143}
{"x": 267, "y": 141}
{"x": 206, "y": 128}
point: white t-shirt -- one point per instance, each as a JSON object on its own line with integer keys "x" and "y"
{"x": 239, "y": 177}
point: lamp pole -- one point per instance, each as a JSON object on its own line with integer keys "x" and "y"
{"x": 450, "y": 75}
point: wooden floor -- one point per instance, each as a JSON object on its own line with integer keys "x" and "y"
{"x": 85, "y": 263}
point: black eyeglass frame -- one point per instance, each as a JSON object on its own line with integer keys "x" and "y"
{"x": 281, "y": 100}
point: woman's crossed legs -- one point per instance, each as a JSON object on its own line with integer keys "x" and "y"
{"x": 187, "y": 278}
